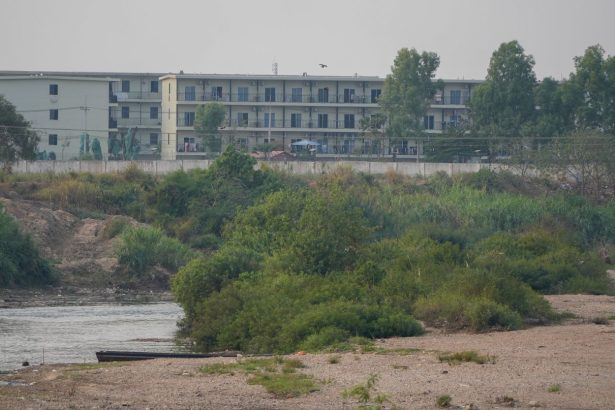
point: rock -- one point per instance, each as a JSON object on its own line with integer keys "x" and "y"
{"x": 533, "y": 403}
{"x": 25, "y": 363}
{"x": 444, "y": 371}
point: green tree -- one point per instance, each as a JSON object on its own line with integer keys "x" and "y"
{"x": 504, "y": 103}
{"x": 208, "y": 119}
{"x": 553, "y": 113}
{"x": 374, "y": 126}
{"x": 591, "y": 89}
{"x": 408, "y": 92}
{"x": 17, "y": 140}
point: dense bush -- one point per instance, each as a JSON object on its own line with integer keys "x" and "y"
{"x": 141, "y": 248}
{"x": 20, "y": 261}
{"x": 282, "y": 312}
{"x": 294, "y": 263}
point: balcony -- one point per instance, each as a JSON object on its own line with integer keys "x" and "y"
{"x": 138, "y": 95}
{"x": 199, "y": 97}
{"x": 190, "y": 147}
{"x": 138, "y": 122}
{"x": 448, "y": 100}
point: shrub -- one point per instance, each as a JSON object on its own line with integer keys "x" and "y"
{"x": 142, "y": 248}
{"x": 114, "y": 227}
{"x": 20, "y": 261}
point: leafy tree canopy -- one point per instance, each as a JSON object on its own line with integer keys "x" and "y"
{"x": 591, "y": 88}
{"x": 208, "y": 119}
{"x": 17, "y": 140}
{"x": 408, "y": 91}
{"x": 505, "y": 101}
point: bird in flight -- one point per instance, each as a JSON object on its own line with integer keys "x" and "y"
{"x": 322, "y": 65}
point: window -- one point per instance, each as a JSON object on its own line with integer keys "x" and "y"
{"x": 323, "y": 120}
{"x": 125, "y": 112}
{"x": 53, "y": 89}
{"x": 348, "y": 95}
{"x": 125, "y": 86}
{"x": 456, "y": 97}
{"x": 153, "y": 86}
{"x": 348, "y": 120}
{"x": 242, "y": 119}
{"x": 267, "y": 116}
{"x": 428, "y": 122}
{"x": 295, "y": 120}
{"x": 242, "y": 94}
{"x": 190, "y": 93}
{"x": 153, "y": 139}
{"x": 375, "y": 95}
{"x": 323, "y": 95}
{"x": 53, "y": 139}
{"x": 296, "y": 95}
{"x": 53, "y": 114}
{"x": 188, "y": 119}
{"x": 153, "y": 113}
{"x": 216, "y": 93}
{"x": 455, "y": 120}
{"x": 270, "y": 94}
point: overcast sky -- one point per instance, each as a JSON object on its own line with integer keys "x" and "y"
{"x": 247, "y": 36}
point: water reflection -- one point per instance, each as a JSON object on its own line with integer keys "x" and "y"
{"x": 69, "y": 334}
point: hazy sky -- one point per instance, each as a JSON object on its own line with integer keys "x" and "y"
{"x": 246, "y": 36}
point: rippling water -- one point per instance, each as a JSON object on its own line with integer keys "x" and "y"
{"x": 72, "y": 334}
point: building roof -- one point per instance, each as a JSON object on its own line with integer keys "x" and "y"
{"x": 57, "y": 77}
{"x": 199, "y": 76}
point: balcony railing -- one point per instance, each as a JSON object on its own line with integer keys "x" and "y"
{"x": 447, "y": 100}
{"x": 132, "y": 122}
{"x": 278, "y": 98}
{"x": 137, "y": 95}
{"x": 189, "y": 147}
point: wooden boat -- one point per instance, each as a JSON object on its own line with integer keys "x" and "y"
{"x": 116, "y": 356}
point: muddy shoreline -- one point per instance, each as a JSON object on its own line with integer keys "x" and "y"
{"x": 570, "y": 365}
{"x": 72, "y": 296}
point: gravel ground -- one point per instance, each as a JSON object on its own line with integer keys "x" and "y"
{"x": 578, "y": 355}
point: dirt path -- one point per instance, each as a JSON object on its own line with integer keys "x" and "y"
{"x": 578, "y": 357}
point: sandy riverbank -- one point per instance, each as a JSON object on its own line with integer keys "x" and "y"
{"x": 578, "y": 355}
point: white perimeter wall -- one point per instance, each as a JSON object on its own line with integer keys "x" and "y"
{"x": 161, "y": 167}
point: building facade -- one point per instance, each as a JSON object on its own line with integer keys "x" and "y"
{"x": 67, "y": 112}
{"x": 156, "y": 113}
{"x": 276, "y": 111}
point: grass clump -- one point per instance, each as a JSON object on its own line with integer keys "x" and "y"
{"x": 444, "y": 401}
{"x": 277, "y": 375}
{"x": 364, "y": 393}
{"x": 114, "y": 227}
{"x": 243, "y": 366}
{"x": 464, "y": 357}
{"x": 334, "y": 359}
{"x": 554, "y": 388}
{"x": 285, "y": 385}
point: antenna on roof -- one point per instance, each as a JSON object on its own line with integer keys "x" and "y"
{"x": 274, "y": 68}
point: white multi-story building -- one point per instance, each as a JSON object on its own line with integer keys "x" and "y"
{"x": 62, "y": 109}
{"x": 281, "y": 110}
{"x": 261, "y": 111}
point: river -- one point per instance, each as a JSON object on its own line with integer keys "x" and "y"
{"x": 72, "y": 334}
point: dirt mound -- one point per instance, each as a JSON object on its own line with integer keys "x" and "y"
{"x": 80, "y": 249}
